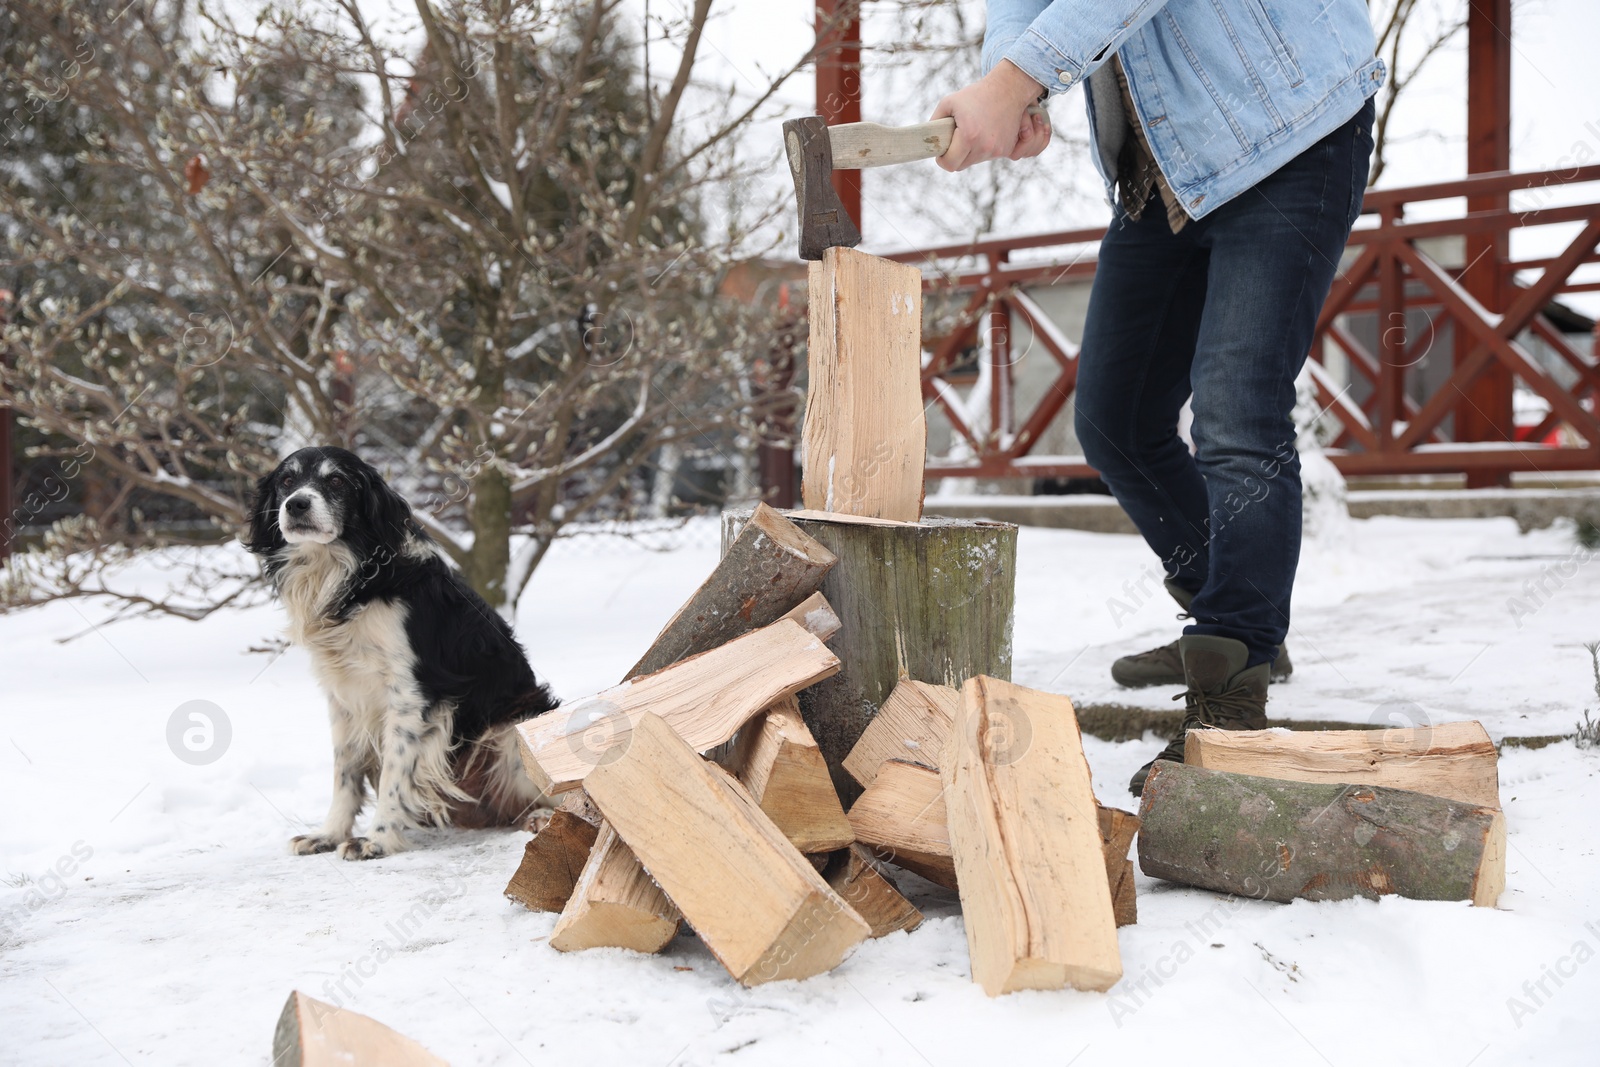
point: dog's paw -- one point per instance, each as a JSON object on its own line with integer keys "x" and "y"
{"x": 362, "y": 848}
{"x": 310, "y": 844}
{"x": 538, "y": 820}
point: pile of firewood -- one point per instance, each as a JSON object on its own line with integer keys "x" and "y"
{"x": 694, "y": 793}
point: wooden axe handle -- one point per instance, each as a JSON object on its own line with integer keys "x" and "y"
{"x": 858, "y": 145}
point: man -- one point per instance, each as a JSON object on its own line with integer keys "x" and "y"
{"x": 1233, "y": 137}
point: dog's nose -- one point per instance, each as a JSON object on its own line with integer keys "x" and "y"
{"x": 299, "y": 505}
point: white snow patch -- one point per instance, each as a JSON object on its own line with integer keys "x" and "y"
{"x": 137, "y": 887}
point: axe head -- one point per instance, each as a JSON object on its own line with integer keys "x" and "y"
{"x": 824, "y": 223}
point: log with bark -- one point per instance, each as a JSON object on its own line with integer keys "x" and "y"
{"x": 705, "y": 699}
{"x": 1282, "y": 840}
{"x": 769, "y": 568}
{"x": 752, "y": 897}
{"x": 312, "y": 1033}
{"x": 1455, "y": 760}
{"x": 931, "y": 600}
{"x": 1025, "y": 834}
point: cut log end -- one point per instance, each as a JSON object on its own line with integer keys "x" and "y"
{"x": 312, "y": 1033}
{"x": 778, "y": 761}
{"x": 552, "y": 863}
{"x": 615, "y": 904}
{"x": 700, "y": 834}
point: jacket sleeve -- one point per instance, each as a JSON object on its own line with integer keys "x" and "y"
{"x": 1058, "y": 43}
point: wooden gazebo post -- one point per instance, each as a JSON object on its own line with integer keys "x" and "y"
{"x": 1484, "y": 413}
{"x": 839, "y": 83}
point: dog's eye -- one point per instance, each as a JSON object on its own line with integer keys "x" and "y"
{"x": 335, "y": 482}
{"x": 286, "y": 480}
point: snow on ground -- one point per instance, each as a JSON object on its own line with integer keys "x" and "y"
{"x": 152, "y": 913}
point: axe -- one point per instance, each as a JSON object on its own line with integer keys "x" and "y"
{"x": 816, "y": 150}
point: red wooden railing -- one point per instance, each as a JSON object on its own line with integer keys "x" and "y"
{"x": 1388, "y": 282}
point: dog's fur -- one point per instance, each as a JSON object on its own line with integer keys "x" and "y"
{"x": 424, "y": 680}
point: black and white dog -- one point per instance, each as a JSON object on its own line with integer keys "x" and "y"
{"x": 424, "y": 680}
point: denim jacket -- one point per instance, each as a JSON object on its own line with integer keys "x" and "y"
{"x": 1227, "y": 91}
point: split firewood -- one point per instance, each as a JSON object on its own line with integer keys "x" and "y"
{"x": 821, "y": 515}
{"x": 311, "y": 1033}
{"x": 1117, "y": 830}
{"x": 756, "y": 902}
{"x": 901, "y": 817}
{"x": 930, "y": 600}
{"x": 1124, "y": 898}
{"x": 1455, "y": 760}
{"x": 1030, "y": 865}
{"x": 864, "y": 439}
{"x": 1280, "y": 840}
{"x": 768, "y": 569}
{"x": 705, "y": 699}
{"x": 911, "y": 725}
{"x": 616, "y": 904}
{"x": 856, "y": 878}
{"x": 577, "y": 802}
{"x": 816, "y": 615}
{"x": 551, "y": 863}
{"x": 777, "y": 760}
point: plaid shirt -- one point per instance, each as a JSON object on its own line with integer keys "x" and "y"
{"x": 1137, "y": 172}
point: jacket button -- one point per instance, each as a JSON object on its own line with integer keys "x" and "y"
{"x": 1065, "y": 77}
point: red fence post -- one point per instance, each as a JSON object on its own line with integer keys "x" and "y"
{"x": 1485, "y": 413}
{"x": 839, "y": 83}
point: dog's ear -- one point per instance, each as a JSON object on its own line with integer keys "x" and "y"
{"x": 264, "y": 537}
{"x": 385, "y": 515}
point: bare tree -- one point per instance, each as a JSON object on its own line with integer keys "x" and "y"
{"x": 1411, "y": 34}
{"x": 484, "y": 260}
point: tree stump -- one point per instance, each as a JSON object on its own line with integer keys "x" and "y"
{"x": 931, "y": 600}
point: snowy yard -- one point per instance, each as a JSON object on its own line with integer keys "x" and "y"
{"x": 153, "y": 914}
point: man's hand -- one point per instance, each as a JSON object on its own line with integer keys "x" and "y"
{"x": 992, "y": 119}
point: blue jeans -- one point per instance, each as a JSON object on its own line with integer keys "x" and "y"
{"x": 1224, "y": 310}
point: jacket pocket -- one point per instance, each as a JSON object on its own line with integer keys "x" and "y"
{"x": 1280, "y": 48}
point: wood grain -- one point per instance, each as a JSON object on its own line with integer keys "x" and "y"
{"x": 1455, "y": 759}
{"x": 1024, "y": 831}
{"x": 856, "y": 878}
{"x": 552, "y": 862}
{"x": 778, "y": 761}
{"x": 757, "y": 903}
{"x": 931, "y": 601}
{"x": 705, "y": 698}
{"x": 864, "y": 440}
{"x": 616, "y": 904}
{"x": 911, "y": 725}
{"x": 769, "y": 568}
